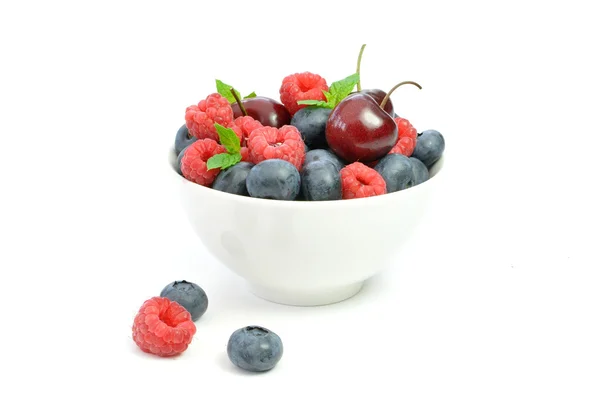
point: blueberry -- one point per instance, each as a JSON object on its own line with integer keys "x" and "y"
{"x": 420, "y": 173}
{"x": 311, "y": 122}
{"x": 274, "y": 179}
{"x": 397, "y": 171}
{"x": 429, "y": 148}
{"x": 183, "y": 139}
{"x": 254, "y": 348}
{"x": 321, "y": 181}
{"x": 321, "y": 154}
{"x": 179, "y": 158}
{"x": 233, "y": 179}
{"x": 189, "y": 295}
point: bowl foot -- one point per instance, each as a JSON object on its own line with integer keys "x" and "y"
{"x": 315, "y": 297}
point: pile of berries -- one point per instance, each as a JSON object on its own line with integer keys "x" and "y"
{"x": 322, "y": 142}
{"x": 164, "y": 326}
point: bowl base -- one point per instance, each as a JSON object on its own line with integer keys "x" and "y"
{"x": 307, "y": 298}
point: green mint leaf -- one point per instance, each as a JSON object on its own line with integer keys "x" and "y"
{"x": 312, "y": 102}
{"x": 328, "y": 96}
{"x": 223, "y": 161}
{"x": 228, "y": 139}
{"x": 252, "y": 95}
{"x": 225, "y": 91}
{"x": 342, "y": 88}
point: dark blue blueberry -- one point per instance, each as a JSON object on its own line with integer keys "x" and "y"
{"x": 321, "y": 181}
{"x": 183, "y": 139}
{"x": 397, "y": 171}
{"x": 320, "y": 155}
{"x": 274, "y": 179}
{"x": 189, "y": 295}
{"x": 429, "y": 148}
{"x": 254, "y": 348}
{"x": 233, "y": 179}
{"x": 420, "y": 173}
{"x": 311, "y": 122}
{"x": 179, "y": 158}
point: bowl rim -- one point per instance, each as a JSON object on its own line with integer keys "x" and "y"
{"x": 355, "y": 202}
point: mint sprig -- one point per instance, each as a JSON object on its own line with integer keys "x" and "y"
{"x": 231, "y": 142}
{"x": 225, "y": 90}
{"x": 337, "y": 92}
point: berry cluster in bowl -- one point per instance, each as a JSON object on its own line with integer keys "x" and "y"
{"x": 321, "y": 142}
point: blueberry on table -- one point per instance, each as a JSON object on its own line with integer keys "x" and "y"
{"x": 254, "y": 348}
{"x": 430, "y": 147}
{"x": 420, "y": 173}
{"x": 322, "y": 154}
{"x": 189, "y": 295}
{"x": 183, "y": 139}
{"x": 397, "y": 171}
{"x": 321, "y": 181}
{"x": 233, "y": 179}
{"x": 274, "y": 179}
{"x": 311, "y": 122}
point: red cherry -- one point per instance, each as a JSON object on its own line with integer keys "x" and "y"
{"x": 358, "y": 129}
{"x": 267, "y": 111}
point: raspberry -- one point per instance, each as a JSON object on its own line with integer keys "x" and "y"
{"x": 284, "y": 143}
{"x": 301, "y": 86}
{"x": 163, "y": 327}
{"x": 200, "y": 119}
{"x": 193, "y": 163}
{"x": 407, "y": 138}
{"x": 243, "y": 127}
{"x": 245, "y": 154}
{"x": 360, "y": 181}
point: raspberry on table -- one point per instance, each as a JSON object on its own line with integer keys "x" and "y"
{"x": 200, "y": 119}
{"x": 163, "y": 327}
{"x": 301, "y": 86}
{"x": 407, "y": 138}
{"x": 284, "y": 143}
{"x": 360, "y": 181}
{"x": 193, "y": 163}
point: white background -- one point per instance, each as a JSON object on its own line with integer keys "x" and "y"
{"x": 494, "y": 306}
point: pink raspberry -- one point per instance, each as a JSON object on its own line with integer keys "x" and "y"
{"x": 284, "y": 143}
{"x": 163, "y": 327}
{"x": 243, "y": 127}
{"x": 360, "y": 181}
{"x": 193, "y": 163}
{"x": 407, "y": 138}
{"x": 301, "y": 86}
{"x": 200, "y": 119}
{"x": 245, "y": 154}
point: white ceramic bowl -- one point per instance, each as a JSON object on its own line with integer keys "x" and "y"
{"x": 299, "y": 252}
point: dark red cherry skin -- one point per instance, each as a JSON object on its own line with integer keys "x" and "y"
{"x": 267, "y": 111}
{"x": 359, "y": 130}
{"x": 378, "y": 95}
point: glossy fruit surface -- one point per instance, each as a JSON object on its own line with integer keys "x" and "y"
{"x": 378, "y": 95}
{"x": 267, "y": 111}
{"x": 359, "y": 130}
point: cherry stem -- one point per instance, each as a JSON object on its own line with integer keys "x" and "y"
{"x": 362, "y": 49}
{"x": 239, "y": 101}
{"x": 387, "y": 97}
